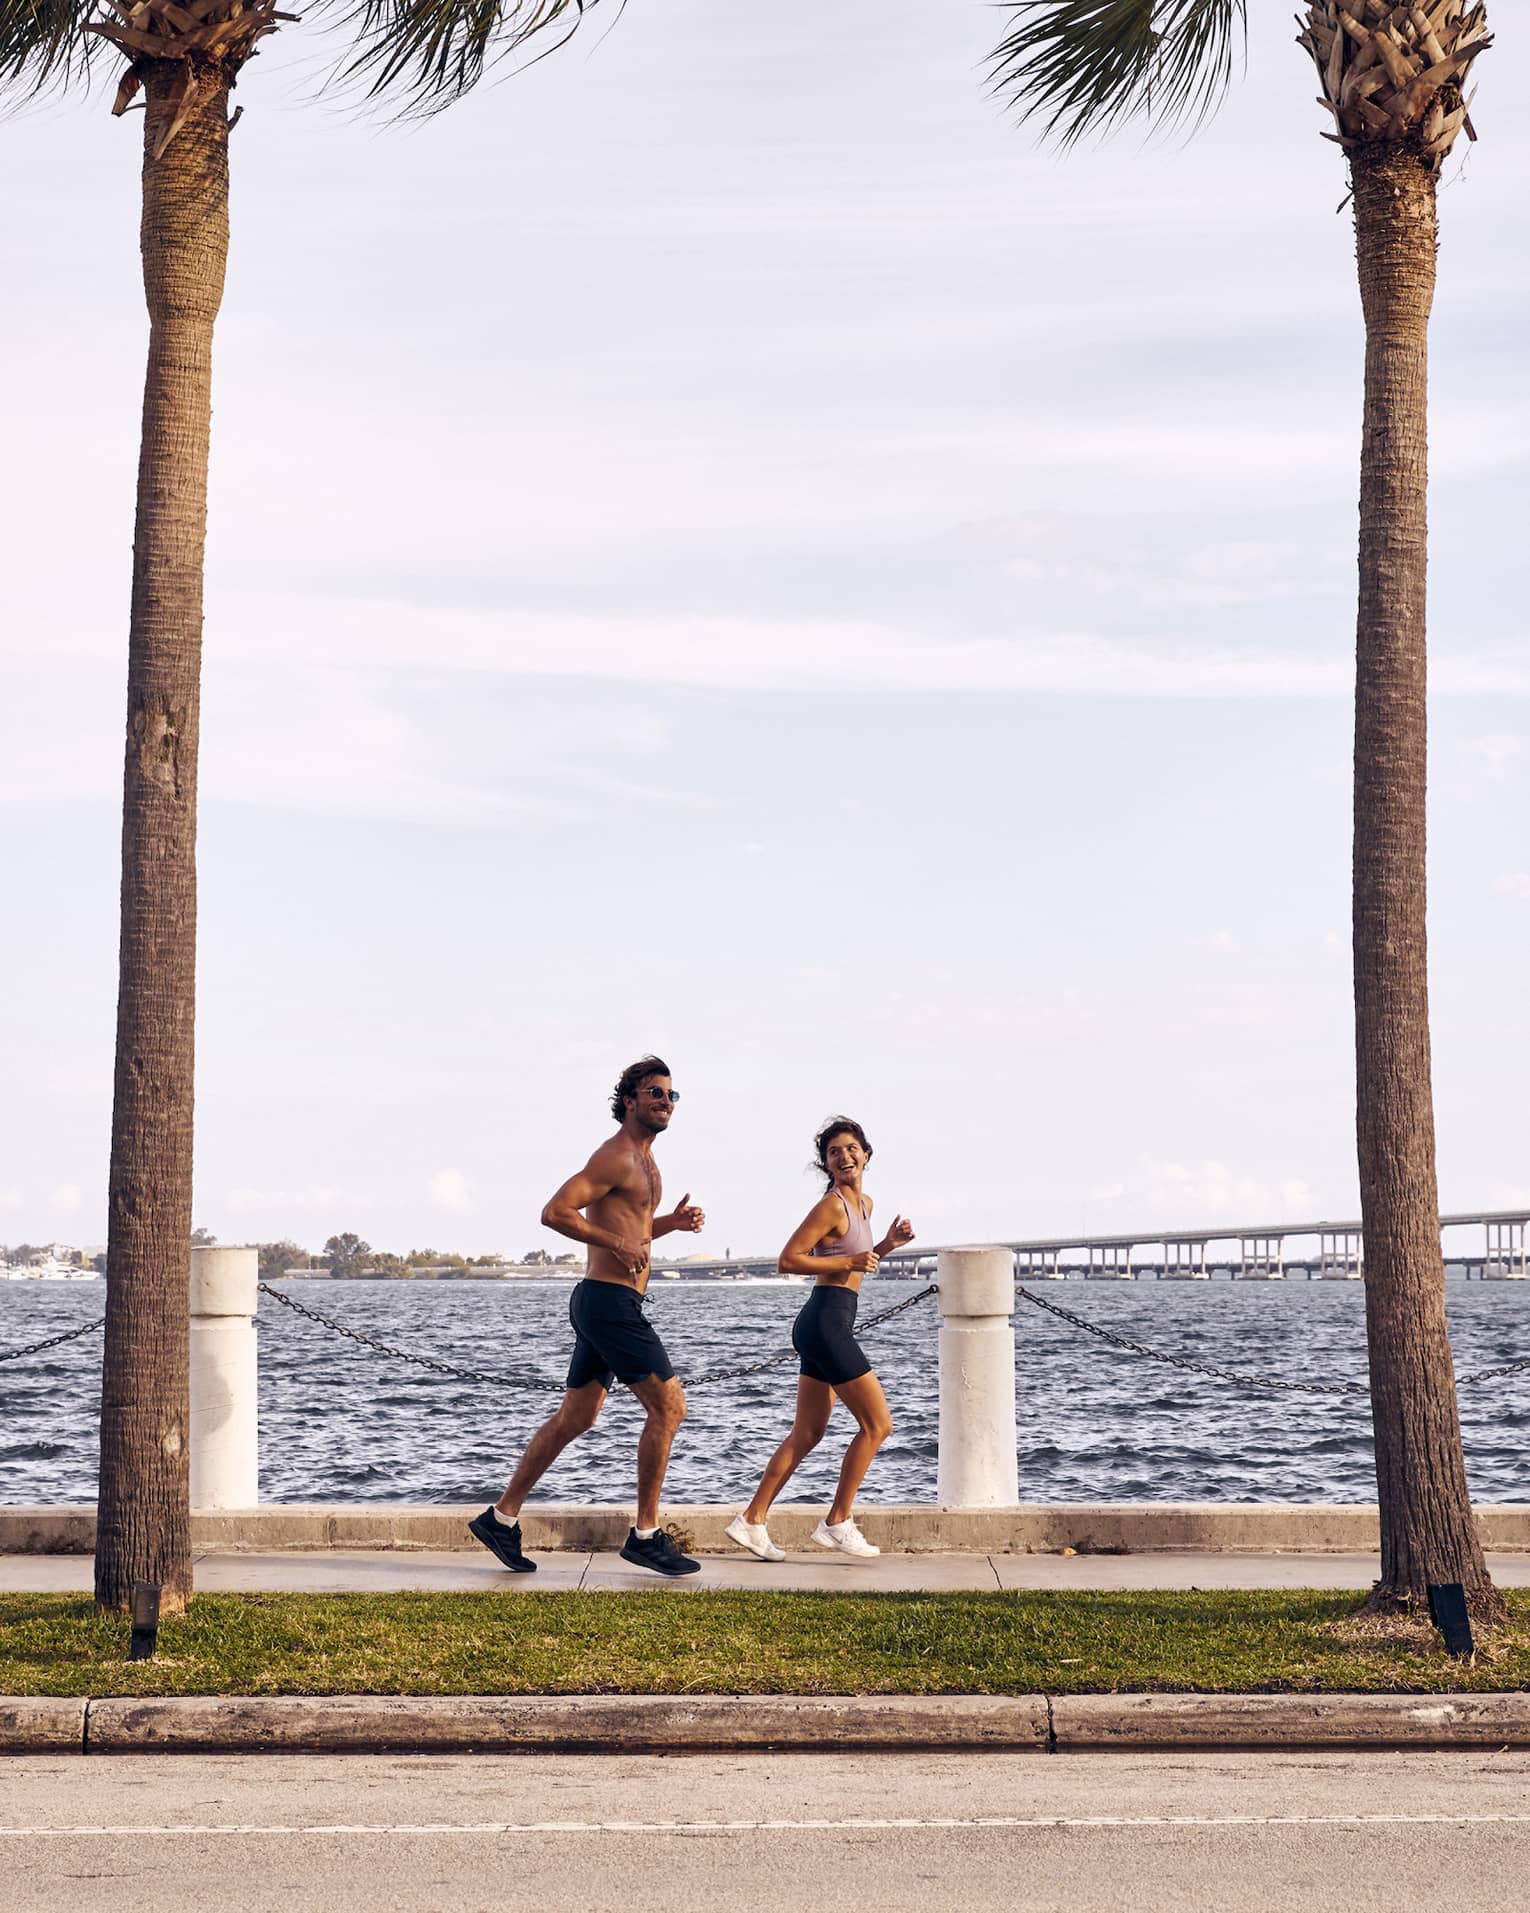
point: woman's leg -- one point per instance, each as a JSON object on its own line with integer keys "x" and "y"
{"x": 815, "y": 1403}
{"x": 865, "y": 1400}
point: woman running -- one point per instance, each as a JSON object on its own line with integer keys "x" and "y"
{"x": 834, "y": 1246}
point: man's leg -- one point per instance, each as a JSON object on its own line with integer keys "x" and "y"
{"x": 665, "y": 1402}
{"x": 574, "y": 1414}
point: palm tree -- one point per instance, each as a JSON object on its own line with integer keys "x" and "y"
{"x": 1394, "y": 79}
{"x": 185, "y": 60}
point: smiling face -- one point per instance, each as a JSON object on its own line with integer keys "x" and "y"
{"x": 844, "y": 1158}
{"x": 653, "y": 1103}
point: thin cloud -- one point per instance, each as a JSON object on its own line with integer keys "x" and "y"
{"x": 319, "y": 1196}
{"x": 825, "y": 655}
{"x": 450, "y": 1192}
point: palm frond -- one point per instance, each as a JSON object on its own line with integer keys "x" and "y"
{"x": 1082, "y": 65}
{"x": 41, "y": 43}
{"x": 431, "y": 52}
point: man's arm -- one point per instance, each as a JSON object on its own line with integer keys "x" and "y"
{"x": 596, "y": 1179}
{"x": 685, "y": 1215}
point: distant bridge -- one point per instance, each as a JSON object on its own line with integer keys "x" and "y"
{"x": 1243, "y": 1252}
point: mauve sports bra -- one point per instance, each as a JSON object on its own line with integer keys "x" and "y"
{"x": 857, "y": 1238}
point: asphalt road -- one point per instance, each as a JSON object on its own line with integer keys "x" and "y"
{"x": 726, "y": 1833}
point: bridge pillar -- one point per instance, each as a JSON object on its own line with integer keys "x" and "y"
{"x": 1185, "y": 1261}
{"x": 1341, "y": 1255}
{"x": 978, "y": 1464}
{"x": 1261, "y": 1258}
{"x": 1504, "y": 1258}
{"x": 225, "y": 1448}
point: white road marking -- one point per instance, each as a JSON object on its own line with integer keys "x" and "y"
{"x": 981, "y": 1823}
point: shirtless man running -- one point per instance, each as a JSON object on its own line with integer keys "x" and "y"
{"x": 611, "y": 1205}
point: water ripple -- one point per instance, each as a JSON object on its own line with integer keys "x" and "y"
{"x": 341, "y": 1424}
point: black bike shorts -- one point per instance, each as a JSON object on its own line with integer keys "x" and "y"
{"x": 824, "y": 1336}
{"x": 613, "y": 1338}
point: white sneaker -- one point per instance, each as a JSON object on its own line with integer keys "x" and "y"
{"x": 845, "y": 1536}
{"x": 754, "y": 1536}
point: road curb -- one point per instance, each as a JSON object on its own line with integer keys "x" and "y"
{"x": 664, "y": 1723}
{"x": 1256, "y": 1723}
{"x": 42, "y": 1726}
{"x": 606, "y": 1723}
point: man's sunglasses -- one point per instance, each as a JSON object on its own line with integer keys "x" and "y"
{"x": 661, "y": 1095}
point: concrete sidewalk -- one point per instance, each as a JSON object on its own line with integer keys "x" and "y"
{"x": 379, "y": 1571}
{"x": 900, "y": 1529}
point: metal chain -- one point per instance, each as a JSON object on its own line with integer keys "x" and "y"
{"x": 1492, "y": 1374}
{"x": 537, "y": 1382}
{"x": 1184, "y": 1362}
{"x": 53, "y": 1341}
{"x": 1125, "y": 1342}
{"x": 790, "y": 1354}
{"x": 405, "y": 1355}
{"x": 1251, "y": 1381}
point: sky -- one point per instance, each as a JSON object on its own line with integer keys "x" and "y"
{"x": 721, "y": 544}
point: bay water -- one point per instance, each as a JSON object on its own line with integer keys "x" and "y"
{"x": 340, "y": 1423}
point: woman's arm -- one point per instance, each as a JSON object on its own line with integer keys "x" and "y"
{"x": 898, "y": 1236}
{"x": 797, "y": 1257}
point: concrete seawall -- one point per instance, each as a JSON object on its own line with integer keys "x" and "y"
{"x": 1108, "y": 1528}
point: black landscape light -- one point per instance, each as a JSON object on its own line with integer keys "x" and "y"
{"x": 1447, "y": 1609}
{"x": 145, "y": 1612}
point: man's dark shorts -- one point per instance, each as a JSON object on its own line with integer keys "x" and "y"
{"x": 613, "y": 1338}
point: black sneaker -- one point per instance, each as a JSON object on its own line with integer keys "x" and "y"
{"x": 658, "y": 1552}
{"x": 502, "y": 1542}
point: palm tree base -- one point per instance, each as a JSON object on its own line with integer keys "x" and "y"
{"x": 1484, "y": 1604}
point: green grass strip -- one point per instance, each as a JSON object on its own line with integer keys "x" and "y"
{"x": 743, "y": 1643}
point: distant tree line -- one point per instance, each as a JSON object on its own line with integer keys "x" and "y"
{"x": 347, "y": 1257}
{"x": 24, "y": 1253}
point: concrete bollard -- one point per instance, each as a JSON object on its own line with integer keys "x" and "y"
{"x": 225, "y": 1443}
{"x": 978, "y": 1465}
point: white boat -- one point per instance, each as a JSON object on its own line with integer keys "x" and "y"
{"x": 49, "y": 1271}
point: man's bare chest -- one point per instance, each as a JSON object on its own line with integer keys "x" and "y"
{"x": 640, "y": 1187}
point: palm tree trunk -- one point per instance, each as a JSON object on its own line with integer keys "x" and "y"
{"x": 143, "y": 1530}
{"x": 1427, "y": 1532}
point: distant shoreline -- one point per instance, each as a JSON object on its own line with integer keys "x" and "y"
{"x": 527, "y": 1275}
{"x": 1455, "y": 1274}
